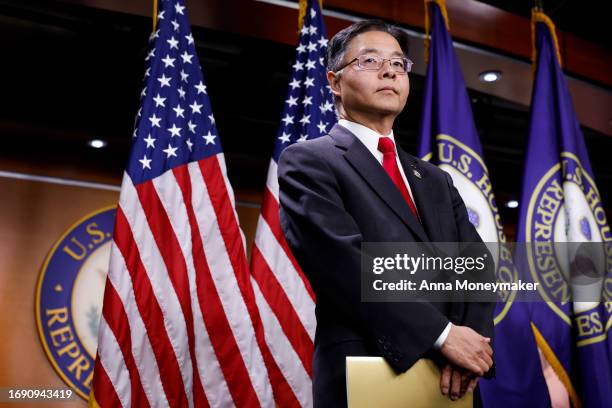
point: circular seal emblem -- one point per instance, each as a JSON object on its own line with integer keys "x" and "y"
{"x": 471, "y": 178}
{"x": 565, "y": 209}
{"x": 69, "y": 297}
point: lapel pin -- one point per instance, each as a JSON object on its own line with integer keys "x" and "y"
{"x": 416, "y": 173}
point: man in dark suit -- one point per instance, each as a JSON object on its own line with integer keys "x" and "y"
{"x": 353, "y": 186}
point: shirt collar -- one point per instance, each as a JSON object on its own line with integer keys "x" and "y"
{"x": 365, "y": 135}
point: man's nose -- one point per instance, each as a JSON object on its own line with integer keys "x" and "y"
{"x": 386, "y": 70}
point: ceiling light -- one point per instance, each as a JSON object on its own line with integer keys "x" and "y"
{"x": 97, "y": 143}
{"x": 512, "y": 204}
{"x": 490, "y": 76}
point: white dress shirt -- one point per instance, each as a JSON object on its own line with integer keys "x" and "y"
{"x": 369, "y": 138}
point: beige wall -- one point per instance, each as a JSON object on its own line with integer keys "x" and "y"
{"x": 33, "y": 215}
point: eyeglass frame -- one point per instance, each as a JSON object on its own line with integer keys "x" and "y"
{"x": 407, "y": 61}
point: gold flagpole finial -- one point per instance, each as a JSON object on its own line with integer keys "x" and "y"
{"x": 302, "y": 14}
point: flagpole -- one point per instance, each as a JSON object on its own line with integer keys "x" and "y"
{"x": 538, "y": 16}
{"x": 154, "y": 15}
{"x": 442, "y": 5}
{"x": 302, "y": 13}
{"x": 539, "y": 5}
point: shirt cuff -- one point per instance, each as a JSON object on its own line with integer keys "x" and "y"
{"x": 442, "y": 337}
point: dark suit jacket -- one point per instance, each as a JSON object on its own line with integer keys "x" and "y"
{"x": 334, "y": 195}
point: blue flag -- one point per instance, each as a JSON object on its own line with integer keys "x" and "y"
{"x": 560, "y": 203}
{"x": 448, "y": 137}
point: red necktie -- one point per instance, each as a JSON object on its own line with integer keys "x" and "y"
{"x": 386, "y": 146}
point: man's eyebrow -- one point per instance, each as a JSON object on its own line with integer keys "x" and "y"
{"x": 377, "y": 51}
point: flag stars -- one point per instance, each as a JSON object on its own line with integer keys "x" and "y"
{"x": 159, "y": 101}
{"x": 179, "y": 111}
{"x": 172, "y": 42}
{"x": 285, "y": 138}
{"x": 184, "y": 76}
{"x": 150, "y": 55}
{"x": 312, "y": 29}
{"x": 168, "y": 62}
{"x": 160, "y": 15}
{"x": 170, "y": 151}
{"x": 327, "y": 106}
{"x": 322, "y": 127}
{"x": 307, "y": 100}
{"x": 323, "y": 42}
{"x": 201, "y": 88}
{"x": 305, "y": 120}
{"x": 294, "y": 84}
{"x": 186, "y": 57}
{"x": 301, "y": 48}
{"x": 292, "y": 101}
{"x": 312, "y": 46}
{"x": 146, "y": 163}
{"x": 175, "y": 24}
{"x": 154, "y": 121}
{"x": 308, "y": 82}
{"x": 210, "y": 138}
{"x": 174, "y": 130}
{"x": 181, "y": 92}
{"x": 288, "y": 119}
{"x": 298, "y": 66}
{"x": 150, "y": 141}
{"x": 179, "y": 9}
{"x": 310, "y": 64}
{"x": 304, "y": 30}
{"x": 154, "y": 35}
{"x": 189, "y": 39}
{"x": 189, "y": 144}
{"x": 191, "y": 126}
{"x": 164, "y": 80}
{"x": 303, "y": 138}
{"x": 195, "y": 107}
{"x": 212, "y": 119}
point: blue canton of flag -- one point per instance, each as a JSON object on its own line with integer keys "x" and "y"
{"x": 175, "y": 124}
{"x": 309, "y": 108}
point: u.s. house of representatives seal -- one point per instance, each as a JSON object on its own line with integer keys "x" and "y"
{"x": 69, "y": 297}
{"x": 471, "y": 178}
{"x": 566, "y": 207}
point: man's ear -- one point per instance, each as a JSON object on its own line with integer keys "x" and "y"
{"x": 334, "y": 83}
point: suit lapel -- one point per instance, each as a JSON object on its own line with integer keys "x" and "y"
{"x": 421, "y": 191}
{"x": 374, "y": 174}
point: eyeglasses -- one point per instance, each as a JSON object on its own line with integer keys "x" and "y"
{"x": 374, "y": 63}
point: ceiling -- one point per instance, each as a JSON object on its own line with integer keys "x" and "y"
{"x": 585, "y": 18}
{"x": 72, "y": 74}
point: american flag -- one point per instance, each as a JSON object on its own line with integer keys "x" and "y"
{"x": 284, "y": 297}
{"x": 179, "y": 326}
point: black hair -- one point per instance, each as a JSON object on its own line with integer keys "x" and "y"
{"x": 340, "y": 42}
